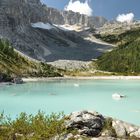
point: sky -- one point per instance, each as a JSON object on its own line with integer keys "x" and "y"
{"x": 110, "y": 9}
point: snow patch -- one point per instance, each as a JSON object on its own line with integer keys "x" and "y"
{"x": 67, "y": 27}
{"x": 41, "y": 25}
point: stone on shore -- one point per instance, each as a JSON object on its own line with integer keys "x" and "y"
{"x": 94, "y": 126}
{"x": 124, "y": 129}
{"x": 86, "y": 122}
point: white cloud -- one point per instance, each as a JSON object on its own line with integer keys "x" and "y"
{"x": 125, "y": 17}
{"x": 80, "y": 7}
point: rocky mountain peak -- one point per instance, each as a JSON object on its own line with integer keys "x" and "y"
{"x": 17, "y": 12}
{"x": 28, "y": 25}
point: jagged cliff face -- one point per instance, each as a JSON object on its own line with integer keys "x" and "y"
{"x": 17, "y": 12}
{"x": 16, "y": 17}
{"x": 14, "y": 13}
{"x": 71, "y": 18}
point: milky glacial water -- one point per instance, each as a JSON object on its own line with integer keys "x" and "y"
{"x": 73, "y": 95}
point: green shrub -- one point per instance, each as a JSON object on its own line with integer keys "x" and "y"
{"x": 29, "y": 127}
{"x": 108, "y": 127}
{"x": 126, "y": 57}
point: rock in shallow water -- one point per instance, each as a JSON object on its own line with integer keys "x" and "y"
{"x": 17, "y": 80}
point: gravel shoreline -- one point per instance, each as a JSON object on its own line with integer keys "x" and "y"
{"x": 31, "y": 79}
{"x": 83, "y": 78}
{"x": 70, "y": 64}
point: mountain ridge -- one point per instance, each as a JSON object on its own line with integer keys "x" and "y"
{"x": 29, "y": 11}
{"x": 43, "y": 44}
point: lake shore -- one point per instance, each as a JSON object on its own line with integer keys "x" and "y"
{"x": 82, "y": 78}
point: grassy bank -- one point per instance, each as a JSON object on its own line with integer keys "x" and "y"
{"x": 13, "y": 64}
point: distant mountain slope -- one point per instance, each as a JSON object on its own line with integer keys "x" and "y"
{"x": 116, "y": 28}
{"x": 125, "y": 58}
{"x": 55, "y": 44}
{"x": 13, "y": 64}
{"x": 17, "y": 16}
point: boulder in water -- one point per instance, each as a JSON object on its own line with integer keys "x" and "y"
{"x": 117, "y": 96}
{"x": 17, "y": 80}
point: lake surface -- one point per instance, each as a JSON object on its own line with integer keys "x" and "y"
{"x": 73, "y": 95}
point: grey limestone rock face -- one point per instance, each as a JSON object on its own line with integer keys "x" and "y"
{"x": 17, "y": 12}
{"x": 16, "y": 17}
{"x": 21, "y": 12}
{"x": 69, "y": 17}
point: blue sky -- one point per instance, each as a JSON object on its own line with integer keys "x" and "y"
{"x": 107, "y": 8}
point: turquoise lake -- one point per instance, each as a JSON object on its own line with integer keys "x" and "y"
{"x": 73, "y": 95}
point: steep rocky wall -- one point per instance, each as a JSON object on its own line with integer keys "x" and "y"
{"x": 21, "y": 12}
{"x": 16, "y": 17}
{"x": 68, "y": 17}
